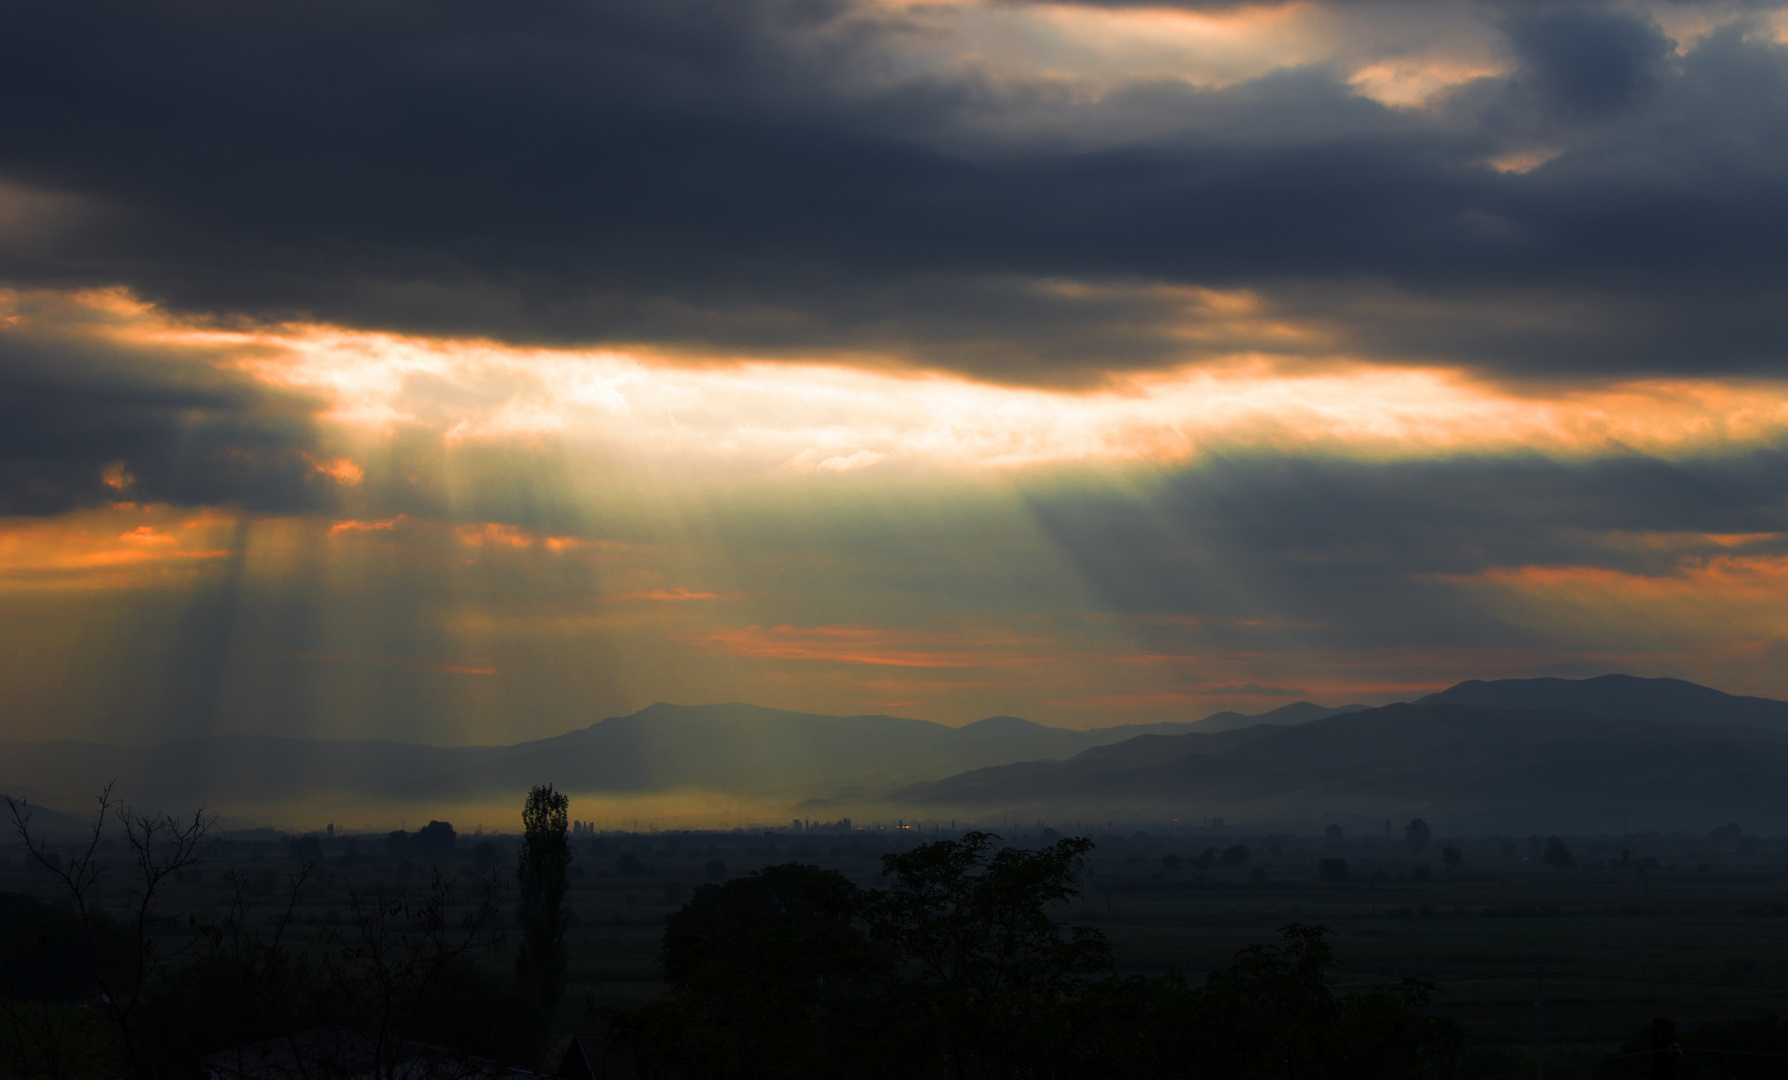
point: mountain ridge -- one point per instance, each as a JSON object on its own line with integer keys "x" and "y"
{"x": 732, "y": 747}
{"x": 1525, "y": 768}
{"x": 797, "y": 759}
{"x": 1616, "y": 695}
{"x": 1298, "y": 712}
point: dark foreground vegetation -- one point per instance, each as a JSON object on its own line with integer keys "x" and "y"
{"x": 958, "y": 970}
{"x": 153, "y": 948}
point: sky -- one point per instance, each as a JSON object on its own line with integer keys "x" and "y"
{"x": 464, "y": 373}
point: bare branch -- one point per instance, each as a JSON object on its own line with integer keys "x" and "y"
{"x": 306, "y": 867}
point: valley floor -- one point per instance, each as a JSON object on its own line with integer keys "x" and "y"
{"x": 1694, "y": 937}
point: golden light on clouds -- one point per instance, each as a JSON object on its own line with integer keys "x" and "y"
{"x": 824, "y": 418}
{"x": 1712, "y": 603}
{"x": 116, "y": 476}
{"x": 1400, "y": 55}
{"x": 775, "y": 417}
{"x": 905, "y": 562}
{"x": 121, "y": 546}
{"x": 1413, "y": 82}
{"x": 878, "y": 646}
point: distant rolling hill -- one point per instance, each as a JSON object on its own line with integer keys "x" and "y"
{"x": 1623, "y": 696}
{"x": 1519, "y": 769}
{"x": 43, "y": 822}
{"x": 1298, "y": 712}
{"x": 733, "y": 748}
{"x": 1519, "y": 752}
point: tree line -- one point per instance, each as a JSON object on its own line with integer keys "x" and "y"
{"x": 958, "y": 969}
{"x": 114, "y": 984}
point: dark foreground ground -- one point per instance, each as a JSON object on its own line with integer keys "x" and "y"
{"x": 1678, "y": 928}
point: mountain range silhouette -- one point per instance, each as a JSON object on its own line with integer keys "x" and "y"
{"x": 1598, "y": 750}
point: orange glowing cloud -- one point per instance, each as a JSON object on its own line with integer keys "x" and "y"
{"x": 497, "y": 535}
{"x": 693, "y": 416}
{"x": 352, "y": 526}
{"x": 146, "y": 534}
{"x": 494, "y": 534}
{"x": 1718, "y": 612}
{"x": 828, "y": 419}
{"x": 1718, "y": 587}
{"x": 675, "y": 595}
{"x": 87, "y": 549}
{"x": 1403, "y": 57}
{"x": 874, "y": 646}
{"x": 341, "y": 470}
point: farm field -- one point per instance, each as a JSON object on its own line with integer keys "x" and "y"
{"x": 1678, "y": 932}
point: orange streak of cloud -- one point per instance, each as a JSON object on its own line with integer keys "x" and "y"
{"x": 497, "y": 535}
{"x": 1697, "y": 604}
{"x": 340, "y": 469}
{"x": 871, "y": 646}
{"x": 353, "y": 526}
{"x": 675, "y": 595}
{"x": 856, "y": 416}
{"x": 86, "y": 549}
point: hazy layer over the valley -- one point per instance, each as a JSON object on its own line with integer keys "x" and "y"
{"x": 1528, "y": 753}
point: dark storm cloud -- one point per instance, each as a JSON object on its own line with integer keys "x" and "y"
{"x": 1353, "y": 554}
{"x": 1589, "y": 63}
{"x": 746, "y": 174}
{"x": 71, "y": 404}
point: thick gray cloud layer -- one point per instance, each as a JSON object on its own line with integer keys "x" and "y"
{"x": 751, "y": 174}
{"x": 1363, "y": 555}
{"x": 72, "y": 403}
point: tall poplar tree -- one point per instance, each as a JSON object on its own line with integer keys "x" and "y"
{"x": 543, "y": 879}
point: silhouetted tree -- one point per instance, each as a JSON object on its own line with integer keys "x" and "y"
{"x": 770, "y": 974}
{"x": 1558, "y": 856}
{"x": 983, "y": 965}
{"x": 1332, "y": 870}
{"x": 243, "y": 986}
{"x": 434, "y": 841}
{"x": 1417, "y": 835}
{"x": 541, "y": 875}
{"x": 45, "y": 1029}
{"x": 408, "y": 966}
{"x": 1450, "y": 858}
{"x": 160, "y": 847}
{"x": 1235, "y": 855}
{"x": 1271, "y": 1013}
{"x": 958, "y": 970}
